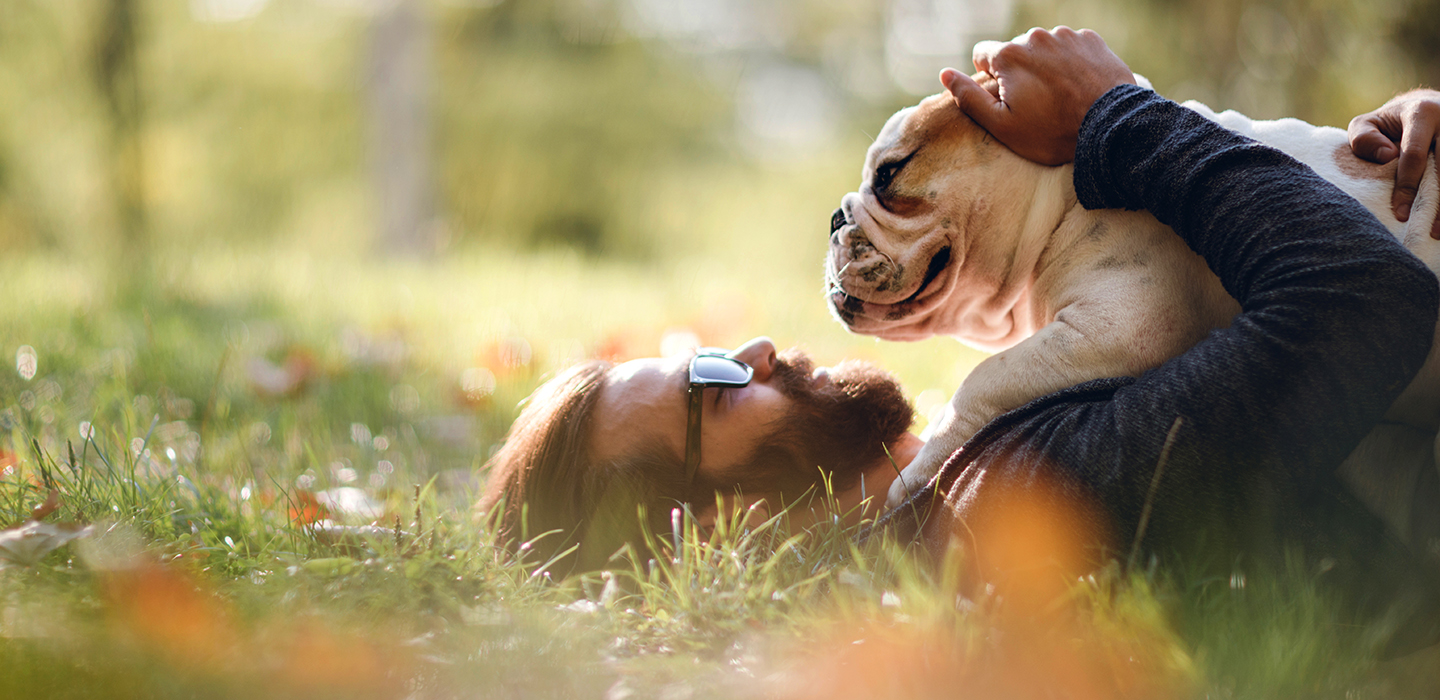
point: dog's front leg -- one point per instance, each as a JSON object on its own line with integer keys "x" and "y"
{"x": 1057, "y": 356}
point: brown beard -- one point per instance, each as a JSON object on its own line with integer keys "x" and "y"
{"x": 839, "y": 428}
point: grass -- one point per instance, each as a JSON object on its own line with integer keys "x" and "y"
{"x": 148, "y": 417}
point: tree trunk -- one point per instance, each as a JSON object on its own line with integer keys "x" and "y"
{"x": 399, "y": 129}
{"x": 117, "y": 76}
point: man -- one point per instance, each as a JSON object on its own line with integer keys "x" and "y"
{"x": 599, "y": 439}
{"x": 1223, "y": 459}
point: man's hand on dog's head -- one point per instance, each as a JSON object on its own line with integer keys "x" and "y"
{"x": 1407, "y": 127}
{"x": 1044, "y": 83}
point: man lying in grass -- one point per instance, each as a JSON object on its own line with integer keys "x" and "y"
{"x": 598, "y": 439}
{"x": 1223, "y": 458}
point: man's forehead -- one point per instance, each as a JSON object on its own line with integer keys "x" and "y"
{"x": 639, "y": 371}
{"x": 638, "y": 397}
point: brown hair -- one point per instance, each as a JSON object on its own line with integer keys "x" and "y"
{"x": 546, "y": 492}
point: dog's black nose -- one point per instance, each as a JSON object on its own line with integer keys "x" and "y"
{"x": 837, "y": 220}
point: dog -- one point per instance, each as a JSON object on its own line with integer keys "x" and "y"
{"x": 964, "y": 238}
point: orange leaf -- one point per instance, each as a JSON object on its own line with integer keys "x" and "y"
{"x": 306, "y": 508}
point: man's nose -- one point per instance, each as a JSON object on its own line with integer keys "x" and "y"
{"x": 759, "y": 353}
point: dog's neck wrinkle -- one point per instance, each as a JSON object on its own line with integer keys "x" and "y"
{"x": 1004, "y": 316}
{"x": 1053, "y": 203}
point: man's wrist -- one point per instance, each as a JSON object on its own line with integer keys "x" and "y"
{"x": 1093, "y": 185}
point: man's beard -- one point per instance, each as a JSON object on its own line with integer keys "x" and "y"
{"x": 834, "y": 431}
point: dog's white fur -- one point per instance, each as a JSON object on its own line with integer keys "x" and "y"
{"x": 1061, "y": 294}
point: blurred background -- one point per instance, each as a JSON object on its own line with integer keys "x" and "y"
{"x": 408, "y": 212}
{"x": 614, "y": 128}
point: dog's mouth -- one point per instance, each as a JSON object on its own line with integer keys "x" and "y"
{"x": 854, "y": 311}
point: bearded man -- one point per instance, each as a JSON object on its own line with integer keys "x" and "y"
{"x": 600, "y": 439}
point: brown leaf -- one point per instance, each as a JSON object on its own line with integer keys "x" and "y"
{"x": 51, "y": 504}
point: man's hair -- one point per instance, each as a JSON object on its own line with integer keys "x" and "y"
{"x": 546, "y": 491}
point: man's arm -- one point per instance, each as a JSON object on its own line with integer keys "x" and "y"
{"x": 1336, "y": 319}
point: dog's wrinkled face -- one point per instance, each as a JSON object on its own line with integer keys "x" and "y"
{"x": 897, "y": 245}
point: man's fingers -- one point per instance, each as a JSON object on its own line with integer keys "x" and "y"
{"x": 975, "y": 101}
{"x": 1414, "y": 151}
{"x": 984, "y": 54}
{"x": 1368, "y": 142}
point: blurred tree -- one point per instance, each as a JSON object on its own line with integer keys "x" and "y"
{"x": 117, "y": 75}
{"x": 399, "y": 76}
{"x": 557, "y": 125}
{"x": 1320, "y": 60}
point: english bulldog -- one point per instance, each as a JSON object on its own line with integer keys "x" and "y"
{"x": 964, "y": 238}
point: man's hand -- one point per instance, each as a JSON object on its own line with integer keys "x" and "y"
{"x": 1047, "y": 82}
{"x": 1405, "y": 127}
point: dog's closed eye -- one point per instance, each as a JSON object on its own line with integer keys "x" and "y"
{"x": 885, "y": 173}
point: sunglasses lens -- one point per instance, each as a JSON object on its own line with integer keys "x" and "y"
{"x": 708, "y": 368}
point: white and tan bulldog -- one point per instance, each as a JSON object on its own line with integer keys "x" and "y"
{"x": 951, "y": 233}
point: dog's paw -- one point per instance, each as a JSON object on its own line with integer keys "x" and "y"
{"x": 914, "y": 476}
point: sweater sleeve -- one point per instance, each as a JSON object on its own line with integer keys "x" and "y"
{"x": 1336, "y": 316}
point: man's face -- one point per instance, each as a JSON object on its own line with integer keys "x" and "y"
{"x": 837, "y": 418}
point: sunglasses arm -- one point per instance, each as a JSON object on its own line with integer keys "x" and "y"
{"x": 692, "y": 432}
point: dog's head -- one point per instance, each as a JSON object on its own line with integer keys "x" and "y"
{"x": 931, "y": 184}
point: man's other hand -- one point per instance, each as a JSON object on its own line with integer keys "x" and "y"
{"x": 1406, "y": 127}
{"x": 1046, "y": 83}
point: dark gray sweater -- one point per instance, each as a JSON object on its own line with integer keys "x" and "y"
{"x": 1336, "y": 318}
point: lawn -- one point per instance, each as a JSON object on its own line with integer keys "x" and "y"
{"x": 212, "y": 421}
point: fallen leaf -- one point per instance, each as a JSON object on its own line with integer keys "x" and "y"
{"x": 305, "y": 508}
{"x": 51, "y": 504}
{"x": 29, "y": 543}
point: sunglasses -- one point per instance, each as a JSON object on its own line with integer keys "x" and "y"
{"x": 710, "y": 367}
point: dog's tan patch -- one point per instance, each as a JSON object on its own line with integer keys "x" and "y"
{"x": 1357, "y": 167}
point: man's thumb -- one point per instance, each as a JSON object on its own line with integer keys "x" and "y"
{"x": 975, "y": 101}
